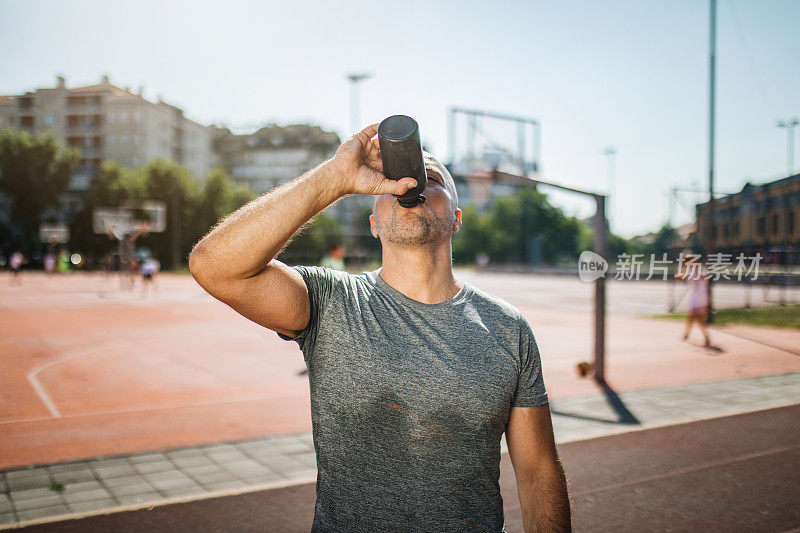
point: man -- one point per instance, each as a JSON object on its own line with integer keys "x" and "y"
{"x": 414, "y": 374}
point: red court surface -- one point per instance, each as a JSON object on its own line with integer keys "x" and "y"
{"x": 88, "y": 369}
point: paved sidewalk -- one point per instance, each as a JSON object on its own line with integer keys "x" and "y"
{"x": 144, "y": 480}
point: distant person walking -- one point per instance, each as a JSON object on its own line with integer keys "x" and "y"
{"x": 108, "y": 265}
{"x": 15, "y": 264}
{"x": 697, "y": 307}
{"x": 149, "y": 269}
{"x": 49, "y": 263}
{"x": 63, "y": 264}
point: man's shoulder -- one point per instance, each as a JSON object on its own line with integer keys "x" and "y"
{"x": 493, "y": 303}
{"x": 335, "y": 277}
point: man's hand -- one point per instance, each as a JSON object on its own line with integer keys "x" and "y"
{"x": 358, "y": 168}
{"x": 235, "y": 261}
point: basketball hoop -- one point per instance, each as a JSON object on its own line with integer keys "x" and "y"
{"x": 119, "y": 222}
{"x": 57, "y": 233}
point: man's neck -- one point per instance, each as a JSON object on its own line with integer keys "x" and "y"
{"x": 423, "y": 273}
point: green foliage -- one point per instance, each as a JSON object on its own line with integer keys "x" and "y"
{"x": 776, "y": 316}
{"x": 198, "y": 207}
{"x": 114, "y": 186}
{"x": 240, "y": 195}
{"x": 366, "y": 243}
{"x": 663, "y": 242}
{"x": 310, "y": 243}
{"x": 34, "y": 171}
{"x": 474, "y": 236}
{"x": 219, "y": 197}
{"x": 523, "y": 228}
{"x": 172, "y": 184}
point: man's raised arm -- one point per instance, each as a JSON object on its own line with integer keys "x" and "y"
{"x": 235, "y": 261}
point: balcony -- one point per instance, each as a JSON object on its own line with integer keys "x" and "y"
{"x": 84, "y": 124}
{"x": 84, "y": 104}
{"x": 90, "y": 152}
{"x": 84, "y": 129}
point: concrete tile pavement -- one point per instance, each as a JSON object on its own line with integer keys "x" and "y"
{"x": 103, "y": 485}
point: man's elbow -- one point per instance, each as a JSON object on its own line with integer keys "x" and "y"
{"x": 198, "y": 264}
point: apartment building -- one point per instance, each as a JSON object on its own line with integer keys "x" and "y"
{"x": 761, "y": 219}
{"x": 108, "y": 122}
{"x": 276, "y": 154}
{"x": 272, "y": 155}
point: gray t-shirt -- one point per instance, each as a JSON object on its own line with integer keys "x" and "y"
{"x": 409, "y": 402}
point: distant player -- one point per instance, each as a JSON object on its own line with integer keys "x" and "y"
{"x": 697, "y": 308}
{"x": 15, "y": 264}
{"x": 149, "y": 268}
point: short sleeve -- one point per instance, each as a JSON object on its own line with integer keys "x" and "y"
{"x": 530, "y": 390}
{"x": 319, "y": 282}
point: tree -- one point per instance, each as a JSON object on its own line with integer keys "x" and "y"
{"x": 522, "y": 228}
{"x": 664, "y": 241}
{"x": 474, "y": 236}
{"x": 172, "y": 184}
{"x": 114, "y": 186}
{"x": 213, "y": 203}
{"x": 240, "y": 195}
{"x": 312, "y": 241}
{"x": 34, "y": 172}
{"x": 218, "y": 198}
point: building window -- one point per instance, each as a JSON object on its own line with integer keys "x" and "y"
{"x": 790, "y": 222}
{"x": 760, "y": 223}
{"x": 775, "y": 223}
{"x": 49, "y": 120}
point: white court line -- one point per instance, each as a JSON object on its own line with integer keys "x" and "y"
{"x": 42, "y": 393}
{"x": 175, "y": 406}
{"x": 48, "y": 402}
{"x": 51, "y": 406}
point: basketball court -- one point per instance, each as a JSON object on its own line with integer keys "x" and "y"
{"x": 88, "y": 369}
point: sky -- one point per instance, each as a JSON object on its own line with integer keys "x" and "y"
{"x": 632, "y": 75}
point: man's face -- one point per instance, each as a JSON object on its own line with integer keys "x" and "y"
{"x": 433, "y": 221}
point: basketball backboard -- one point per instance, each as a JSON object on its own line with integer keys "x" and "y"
{"x": 150, "y": 217}
{"x": 54, "y": 233}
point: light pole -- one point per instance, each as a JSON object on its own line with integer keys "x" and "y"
{"x": 611, "y": 153}
{"x": 354, "y": 202}
{"x": 712, "y": 131}
{"x": 354, "y": 103}
{"x": 790, "y": 125}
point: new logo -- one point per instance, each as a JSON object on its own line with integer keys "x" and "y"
{"x": 591, "y": 266}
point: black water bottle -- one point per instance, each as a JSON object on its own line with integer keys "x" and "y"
{"x": 401, "y": 153}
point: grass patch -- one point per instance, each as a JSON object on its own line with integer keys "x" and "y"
{"x": 787, "y": 316}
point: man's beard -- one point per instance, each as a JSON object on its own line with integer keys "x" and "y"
{"x": 420, "y": 228}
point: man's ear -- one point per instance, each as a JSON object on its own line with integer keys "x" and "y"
{"x": 457, "y": 223}
{"x": 372, "y": 228}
